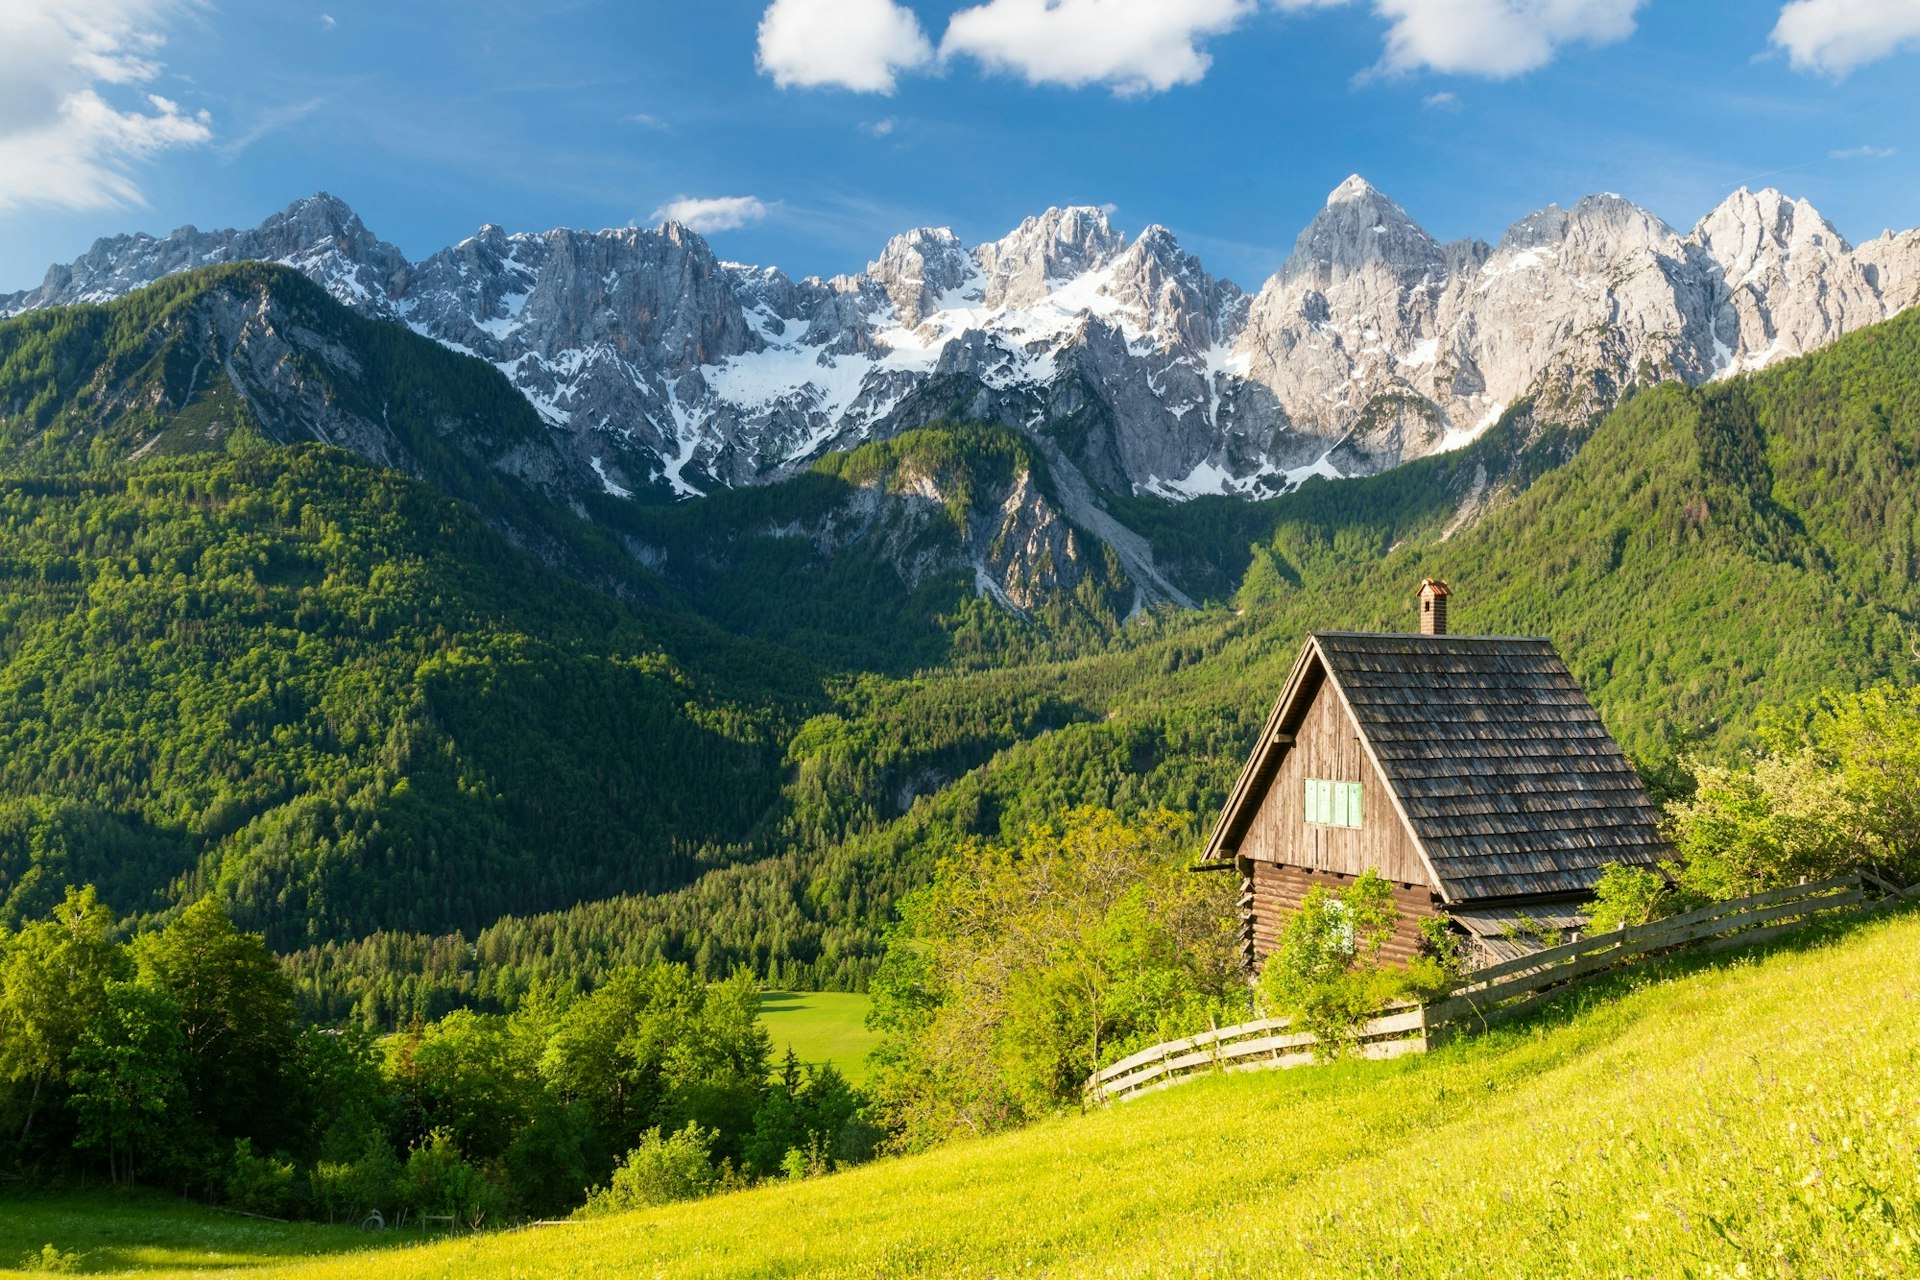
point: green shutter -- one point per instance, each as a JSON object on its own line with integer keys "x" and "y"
{"x": 1311, "y": 796}
{"x": 1340, "y": 805}
{"x": 1353, "y": 804}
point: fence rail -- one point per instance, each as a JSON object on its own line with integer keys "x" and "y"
{"x": 1260, "y": 1045}
{"x": 1495, "y": 991}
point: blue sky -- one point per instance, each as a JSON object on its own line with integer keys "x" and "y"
{"x": 831, "y": 124}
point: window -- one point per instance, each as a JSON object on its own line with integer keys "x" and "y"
{"x": 1333, "y": 804}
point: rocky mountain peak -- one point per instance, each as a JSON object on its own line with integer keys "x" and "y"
{"x": 1361, "y": 230}
{"x": 1753, "y": 229}
{"x": 1042, "y": 252}
{"x": 919, "y": 268}
{"x": 1605, "y": 221}
{"x": 1353, "y": 190}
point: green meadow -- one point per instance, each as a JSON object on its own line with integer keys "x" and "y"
{"x": 99, "y": 1232}
{"x": 820, "y": 1027}
{"x": 1751, "y": 1115}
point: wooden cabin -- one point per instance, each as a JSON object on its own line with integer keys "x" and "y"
{"x": 1469, "y": 771}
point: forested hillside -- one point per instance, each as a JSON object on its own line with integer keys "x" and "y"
{"x": 338, "y": 701}
{"x": 394, "y": 714}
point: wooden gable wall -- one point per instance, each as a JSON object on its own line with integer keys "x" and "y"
{"x": 1327, "y": 745}
{"x": 1282, "y": 856}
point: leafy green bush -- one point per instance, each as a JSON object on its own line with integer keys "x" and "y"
{"x": 1025, "y": 966}
{"x": 1325, "y": 972}
{"x": 1836, "y": 789}
{"x": 348, "y": 1190}
{"x": 261, "y": 1184}
{"x": 809, "y": 1114}
{"x": 1626, "y": 896}
{"x": 52, "y": 1261}
{"x": 438, "y": 1179}
{"x": 658, "y": 1171}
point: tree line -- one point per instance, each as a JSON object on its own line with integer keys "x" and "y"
{"x": 178, "y": 1060}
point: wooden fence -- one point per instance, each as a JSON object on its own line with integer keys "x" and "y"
{"x": 1252, "y": 1046}
{"x": 1493, "y": 992}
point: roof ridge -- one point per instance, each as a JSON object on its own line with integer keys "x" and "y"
{"x": 1417, "y": 635}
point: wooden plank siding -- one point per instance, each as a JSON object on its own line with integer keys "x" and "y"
{"x": 1327, "y": 745}
{"x": 1278, "y": 891}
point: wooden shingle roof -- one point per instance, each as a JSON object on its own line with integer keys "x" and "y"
{"x": 1500, "y": 767}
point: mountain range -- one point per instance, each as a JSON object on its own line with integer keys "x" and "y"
{"x": 662, "y": 370}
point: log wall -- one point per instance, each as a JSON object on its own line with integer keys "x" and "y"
{"x": 1277, "y": 892}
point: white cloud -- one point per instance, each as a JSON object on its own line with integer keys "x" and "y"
{"x": 1835, "y": 36}
{"x": 62, "y": 142}
{"x": 1445, "y": 100}
{"x": 326, "y": 21}
{"x": 1495, "y": 38}
{"x": 878, "y": 128}
{"x": 646, "y": 120}
{"x": 1132, "y": 46}
{"x": 712, "y": 213}
{"x": 850, "y": 44}
{"x": 1861, "y": 153}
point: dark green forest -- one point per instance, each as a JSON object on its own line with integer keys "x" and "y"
{"x": 444, "y": 739}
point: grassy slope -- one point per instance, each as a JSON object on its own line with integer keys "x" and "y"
{"x": 821, "y": 1027}
{"x": 148, "y": 1231}
{"x": 1756, "y": 1117}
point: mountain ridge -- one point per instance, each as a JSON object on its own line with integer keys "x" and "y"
{"x": 674, "y": 372}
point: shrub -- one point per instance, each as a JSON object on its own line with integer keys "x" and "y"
{"x": 350, "y": 1189}
{"x": 658, "y": 1171}
{"x": 437, "y": 1179}
{"x": 1627, "y": 896}
{"x": 49, "y": 1260}
{"x": 261, "y": 1184}
{"x": 1326, "y": 974}
{"x": 1025, "y": 966}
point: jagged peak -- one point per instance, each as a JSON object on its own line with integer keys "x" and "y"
{"x": 1157, "y": 237}
{"x": 1591, "y": 217}
{"x": 916, "y": 243}
{"x": 1068, "y": 224}
{"x": 320, "y": 200}
{"x": 1353, "y": 189}
{"x": 1361, "y": 227}
{"x": 1746, "y": 219}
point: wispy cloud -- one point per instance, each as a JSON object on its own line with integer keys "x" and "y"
{"x": 879, "y": 128}
{"x": 707, "y": 214}
{"x": 1862, "y": 152}
{"x": 1445, "y": 100}
{"x": 327, "y": 22}
{"x": 646, "y": 120}
{"x": 269, "y": 121}
{"x": 73, "y": 120}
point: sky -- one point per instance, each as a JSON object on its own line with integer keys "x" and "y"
{"x": 804, "y": 133}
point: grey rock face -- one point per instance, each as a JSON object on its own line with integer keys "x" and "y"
{"x": 1385, "y": 346}
{"x": 654, "y": 362}
{"x": 320, "y": 236}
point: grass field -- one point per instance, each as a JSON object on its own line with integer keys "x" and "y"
{"x": 141, "y": 1232}
{"x": 1756, "y": 1117}
{"x": 822, "y": 1026}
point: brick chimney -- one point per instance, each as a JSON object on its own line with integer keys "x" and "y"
{"x": 1433, "y": 607}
